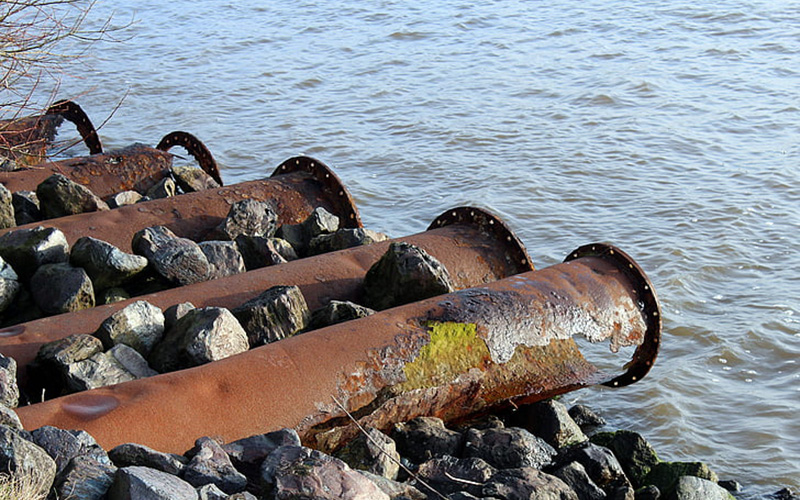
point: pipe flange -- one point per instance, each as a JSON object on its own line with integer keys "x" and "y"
{"x": 322, "y": 173}
{"x": 196, "y": 148}
{"x": 515, "y": 252}
{"x": 645, "y": 355}
{"x": 74, "y": 113}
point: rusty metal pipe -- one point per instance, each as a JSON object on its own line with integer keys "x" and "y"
{"x": 298, "y": 186}
{"x": 471, "y": 243}
{"x": 452, "y": 356}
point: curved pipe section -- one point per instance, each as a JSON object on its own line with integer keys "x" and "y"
{"x": 196, "y": 148}
{"x": 75, "y": 114}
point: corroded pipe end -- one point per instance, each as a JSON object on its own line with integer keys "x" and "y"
{"x": 196, "y": 148}
{"x": 74, "y": 113}
{"x": 513, "y": 250}
{"x": 340, "y": 197}
{"x": 645, "y": 354}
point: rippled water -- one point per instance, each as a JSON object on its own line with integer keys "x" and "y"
{"x": 669, "y": 129}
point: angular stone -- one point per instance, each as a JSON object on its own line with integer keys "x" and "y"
{"x": 224, "y": 258}
{"x": 9, "y": 418}
{"x": 211, "y": 492}
{"x": 633, "y": 452}
{"x": 527, "y": 483}
{"x": 173, "y": 313}
{"x": 575, "y": 476}
{"x": 211, "y": 465}
{"x": 277, "y": 313}
{"x": 337, "y": 311}
{"x": 600, "y": 463}
{"x": 128, "y": 454}
{"x": 7, "y": 218}
{"x": 106, "y": 265}
{"x": 27, "y": 249}
{"x": 124, "y": 198}
{"x": 9, "y": 390}
{"x": 140, "y": 483}
{"x": 84, "y": 478}
{"x": 247, "y": 454}
{"x": 694, "y": 488}
{"x": 139, "y": 325}
{"x": 248, "y": 217}
{"x": 300, "y": 235}
{"x": 119, "y": 364}
{"x": 63, "y": 445}
{"x": 201, "y": 336}
{"x": 179, "y": 260}
{"x": 62, "y": 288}
{"x": 244, "y": 495}
{"x": 648, "y": 492}
{"x": 550, "y": 421}
{"x": 191, "y": 179}
{"x": 259, "y": 252}
{"x": 424, "y": 438}
{"x": 404, "y": 274}
{"x": 344, "y": 238}
{"x": 164, "y": 188}
{"x": 23, "y": 458}
{"x": 26, "y": 207}
{"x": 48, "y": 372}
{"x": 586, "y": 418}
{"x": 508, "y": 448}
{"x": 299, "y": 472}
{"x": 373, "y": 452}
{"x": 60, "y": 196}
{"x": 469, "y": 473}
{"x": 395, "y": 489}
{"x": 665, "y": 475}
{"x": 9, "y": 285}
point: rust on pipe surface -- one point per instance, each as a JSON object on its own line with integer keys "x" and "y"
{"x": 452, "y": 356}
{"x": 195, "y": 148}
{"x": 473, "y": 250}
{"x": 295, "y": 194}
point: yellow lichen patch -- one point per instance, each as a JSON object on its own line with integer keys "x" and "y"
{"x": 454, "y": 348}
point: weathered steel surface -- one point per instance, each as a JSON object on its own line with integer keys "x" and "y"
{"x": 456, "y": 355}
{"x": 195, "y": 148}
{"x": 307, "y": 185}
{"x": 471, "y": 252}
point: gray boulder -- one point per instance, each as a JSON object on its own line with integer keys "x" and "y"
{"x": 695, "y": 488}
{"x": 26, "y": 207}
{"x": 527, "y": 483}
{"x": 373, "y": 452}
{"x": 404, "y": 274}
{"x": 9, "y": 390}
{"x": 60, "y": 196}
{"x": 395, "y": 489}
{"x": 211, "y": 492}
{"x": 64, "y": 445}
{"x": 508, "y": 448}
{"x": 550, "y": 421}
{"x": 449, "y": 474}
{"x": 586, "y": 418}
{"x": 201, "y": 336}
{"x": 129, "y": 454}
{"x": 27, "y": 249}
{"x": 124, "y": 198}
{"x": 337, "y": 311}
{"x": 9, "y": 418}
{"x": 173, "y": 313}
{"x": 48, "y": 371}
{"x": 84, "y": 478}
{"x": 224, "y": 258}
{"x": 9, "y": 285}
{"x": 62, "y": 288}
{"x": 600, "y": 463}
{"x": 164, "y": 188}
{"x": 179, "y": 260}
{"x": 191, "y": 179}
{"x": 247, "y": 454}
{"x": 300, "y": 235}
{"x": 636, "y": 456}
{"x": 248, "y": 217}
{"x": 258, "y": 251}
{"x": 423, "y": 438}
{"x": 277, "y": 313}
{"x": 344, "y": 238}
{"x": 211, "y": 465}
{"x": 575, "y": 476}
{"x": 106, "y": 265}
{"x": 21, "y": 457}
{"x": 665, "y": 475}
{"x": 119, "y": 364}
{"x": 7, "y": 218}
{"x": 139, "y": 325}
{"x": 143, "y": 483}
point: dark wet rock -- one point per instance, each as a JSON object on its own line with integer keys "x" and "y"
{"x": 119, "y": 364}
{"x": 191, "y": 179}
{"x": 648, "y": 492}
{"x": 337, "y": 311}
{"x": 7, "y": 218}
{"x": 395, "y": 489}
{"x": 575, "y": 476}
{"x": 784, "y": 494}
{"x": 508, "y": 448}
{"x": 140, "y": 483}
{"x": 424, "y": 438}
{"x": 179, "y": 260}
{"x": 9, "y": 418}
{"x": 300, "y": 235}
{"x": 247, "y": 454}
{"x": 111, "y": 295}
{"x": 248, "y": 217}
{"x": 9, "y": 390}
{"x": 211, "y": 465}
{"x": 599, "y": 462}
{"x": 139, "y": 325}
{"x": 586, "y": 418}
{"x": 200, "y": 336}
{"x": 106, "y": 265}
{"x": 124, "y": 198}
{"x": 730, "y": 485}
{"x": 449, "y": 474}
{"x": 21, "y": 457}
{"x": 344, "y": 238}
{"x": 258, "y": 251}
{"x": 48, "y": 371}
{"x": 211, "y": 492}
{"x": 291, "y": 472}
{"x": 173, "y": 313}
{"x": 634, "y": 453}
{"x": 27, "y": 249}
{"x": 62, "y": 288}
{"x": 405, "y": 273}
{"x": 550, "y": 421}
{"x": 9, "y": 285}
{"x": 373, "y": 452}
{"x": 26, "y": 207}
{"x": 224, "y": 258}
{"x": 277, "y": 313}
{"x": 527, "y": 483}
{"x": 621, "y": 489}
{"x": 695, "y": 488}
{"x": 64, "y": 445}
{"x": 128, "y": 454}
{"x": 665, "y": 475}
{"x": 60, "y": 196}
{"x": 165, "y": 188}
{"x": 84, "y": 478}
